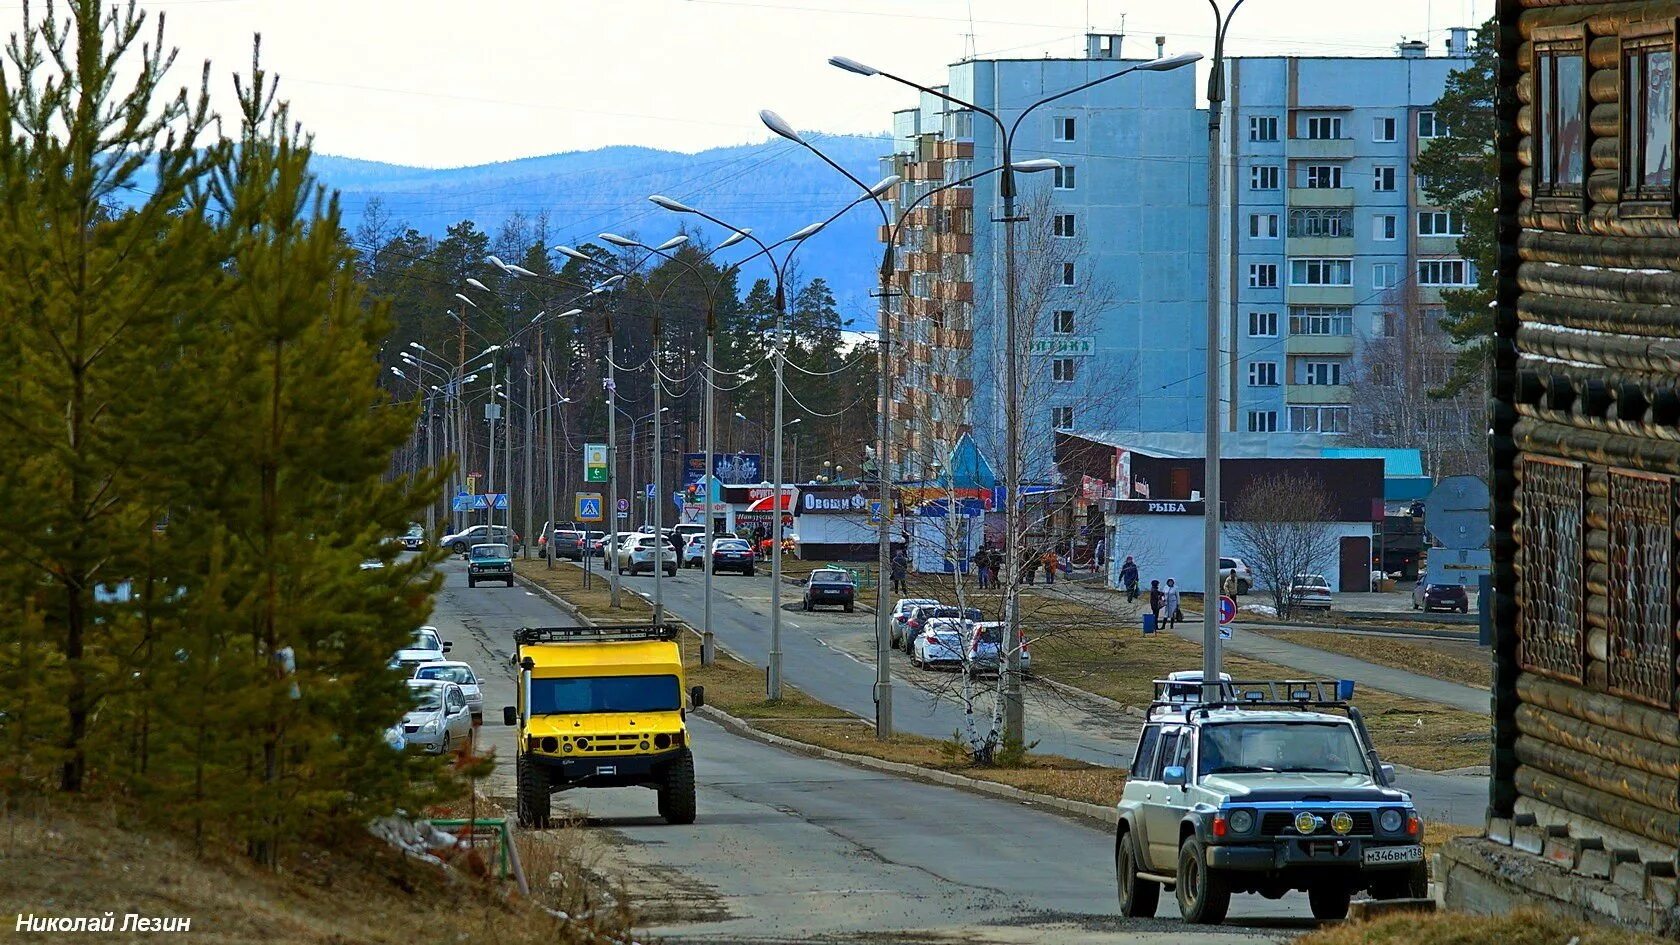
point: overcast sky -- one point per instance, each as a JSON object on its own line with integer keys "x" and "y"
{"x": 451, "y": 82}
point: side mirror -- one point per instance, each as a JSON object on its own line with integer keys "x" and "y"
{"x": 1173, "y": 774}
{"x": 697, "y": 696}
{"x": 510, "y": 716}
{"x": 1387, "y": 771}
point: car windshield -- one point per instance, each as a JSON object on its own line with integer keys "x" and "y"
{"x": 490, "y": 551}
{"x": 991, "y": 636}
{"x": 426, "y": 640}
{"x": 605, "y": 694}
{"x": 830, "y": 577}
{"x": 1329, "y": 747}
{"x": 972, "y": 613}
{"x": 415, "y": 531}
{"x": 427, "y": 698}
{"x": 1312, "y": 580}
{"x": 731, "y": 544}
{"x": 455, "y": 674}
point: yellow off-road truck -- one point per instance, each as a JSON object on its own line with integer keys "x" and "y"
{"x": 602, "y": 707}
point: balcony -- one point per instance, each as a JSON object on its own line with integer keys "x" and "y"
{"x": 1437, "y": 245}
{"x": 1335, "y": 149}
{"x": 1321, "y": 295}
{"x": 1340, "y": 345}
{"x": 1321, "y": 245}
{"x": 1317, "y": 394}
{"x": 954, "y": 243}
{"x": 1321, "y": 197}
{"x": 963, "y": 197}
{"x": 956, "y": 150}
{"x": 954, "y": 291}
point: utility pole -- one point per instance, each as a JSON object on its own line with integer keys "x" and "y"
{"x": 549, "y": 406}
{"x": 1211, "y": 689}
{"x": 507, "y": 442}
{"x": 658, "y": 499}
{"x": 775, "y": 675}
{"x": 530, "y": 421}
{"x": 609, "y": 547}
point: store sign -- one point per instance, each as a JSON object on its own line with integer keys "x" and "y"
{"x": 1157, "y": 507}
{"x": 733, "y": 469}
{"x": 1064, "y": 345}
{"x": 830, "y": 501}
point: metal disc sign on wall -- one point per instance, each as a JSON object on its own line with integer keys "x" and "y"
{"x": 1456, "y": 513}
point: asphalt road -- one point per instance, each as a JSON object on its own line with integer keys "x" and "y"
{"x": 831, "y": 655}
{"x": 789, "y": 848}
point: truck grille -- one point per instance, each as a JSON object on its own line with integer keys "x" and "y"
{"x": 609, "y": 744}
{"x": 1275, "y": 823}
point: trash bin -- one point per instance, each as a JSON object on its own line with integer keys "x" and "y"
{"x": 1148, "y": 624}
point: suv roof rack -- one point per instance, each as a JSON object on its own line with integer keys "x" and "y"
{"x": 605, "y": 633}
{"x": 1182, "y": 695}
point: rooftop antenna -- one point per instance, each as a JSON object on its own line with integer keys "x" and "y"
{"x": 968, "y": 38}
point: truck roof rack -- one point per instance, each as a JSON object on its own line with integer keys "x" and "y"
{"x": 604, "y": 633}
{"x": 1181, "y": 695}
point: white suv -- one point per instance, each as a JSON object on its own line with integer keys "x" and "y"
{"x": 639, "y": 552}
{"x": 1235, "y": 566}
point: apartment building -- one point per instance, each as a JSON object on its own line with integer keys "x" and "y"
{"x": 1328, "y": 243}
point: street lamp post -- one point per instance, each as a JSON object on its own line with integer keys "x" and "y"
{"x": 1013, "y": 707}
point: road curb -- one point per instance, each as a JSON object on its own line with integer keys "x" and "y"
{"x": 565, "y": 605}
{"x": 1093, "y": 812}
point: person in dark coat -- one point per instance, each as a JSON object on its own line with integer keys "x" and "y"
{"x": 1129, "y": 579}
{"x": 900, "y": 572}
{"x": 1156, "y": 600}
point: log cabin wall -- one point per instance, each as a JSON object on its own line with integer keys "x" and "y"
{"x": 1586, "y": 432}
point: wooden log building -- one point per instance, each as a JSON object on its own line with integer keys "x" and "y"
{"x": 1584, "y": 807}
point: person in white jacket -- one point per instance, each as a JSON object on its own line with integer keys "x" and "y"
{"x": 1169, "y": 603}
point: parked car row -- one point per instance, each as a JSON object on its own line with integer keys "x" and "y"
{"x": 448, "y": 700}
{"x": 937, "y": 635}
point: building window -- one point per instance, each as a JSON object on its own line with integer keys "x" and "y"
{"x": 1383, "y": 178}
{"x": 1062, "y": 369}
{"x": 1262, "y": 421}
{"x": 1324, "y": 176}
{"x": 1385, "y": 226}
{"x": 1263, "y": 177}
{"x": 1061, "y": 321}
{"x": 1067, "y": 273}
{"x": 1063, "y": 129}
{"x": 1065, "y": 177}
{"x": 1064, "y": 225}
{"x": 1320, "y": 320}
{"x": 1263, "y": 226}
{"x": 1385, "y": 275}
{"x": 1648, "y": 117}
{"x": 1262, "y": 128}
{"x": 1446, "y": 272}
{"x": 1262, "y": 324}
{"x": 1262, "y": 275}
{"x": 1321, "y": 272}
{"x": 1061, "y": 418}
{"x": 1319, "y": 419}
{"x": 1324, "y": 128}
{"x": 1321, "y": 372}
{"x": 1320, "y": 221}
{"x": 1429, "y": 126}
{"x": 1382, "y": 129}
{"x": 1384, "y": 324}
{"x": 1262, "y": 374}
{"x": 1439, "y": 223}
{"x": 1560, "y": 93}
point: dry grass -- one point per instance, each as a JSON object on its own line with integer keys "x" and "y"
{"x": 1525, "y": 927}
{"x": 738, "y": 689}
{"x": 1451, "y": 660}
{"x": 595, "y": 602}
{"x": 1042, "y": 774}
{"x": 78, "y": 859}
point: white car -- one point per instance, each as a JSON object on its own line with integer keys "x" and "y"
{"x": 426, "y": 647}
{"x": 940, "y": 643}
{"x": 1185, "y": 686}
{"x": 1310, "y": 591}
{"x": 440, "y": 720}
{"x": 985, "y": 648}
{"x": 694, "y": 551}
{"x": 461, "y": 674}
{"x": 1229, "y": 567}
{"x": 901, "y": 616}
{"x": 644, "y": 553}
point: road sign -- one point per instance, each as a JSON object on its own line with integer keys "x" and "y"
{"x": 499, "y": 501}
{"x": 594, "y": 462}
{"x": 1225, "y": 632}
{"x": 463, "y": 502}
{"x": 623, "y": 515}
{"x": 623, "y": 507}
{"x": 472, "y": 484}
{"x": 647, "y": 492}
{"x": 1456, "y": 512}
{"x": 1227, "y": 610}
{"x": 589, "y": 506}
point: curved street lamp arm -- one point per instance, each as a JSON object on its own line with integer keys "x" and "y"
{"x": 1065, "y": 93}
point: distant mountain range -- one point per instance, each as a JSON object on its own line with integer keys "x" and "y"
{"x": 774, "y": 187}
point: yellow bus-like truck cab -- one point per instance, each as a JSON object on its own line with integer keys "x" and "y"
{"x": 602, "y": 707}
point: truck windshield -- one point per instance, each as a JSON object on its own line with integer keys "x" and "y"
{"x": 1280, "y": 746}
{"x": 490, "y": 551}
{"x": 605, "y": 694}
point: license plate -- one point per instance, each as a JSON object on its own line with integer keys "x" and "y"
{"x": 1411, "y": 854}
{"x": 606, "y": 769}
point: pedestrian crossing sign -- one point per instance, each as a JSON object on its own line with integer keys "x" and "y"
{"x": 589, "y": 507}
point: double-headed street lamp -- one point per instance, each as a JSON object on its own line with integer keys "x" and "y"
{"x": 883, "y": 433}
{"x": 780, "y": 268}
{"x": 1014, "y": 722}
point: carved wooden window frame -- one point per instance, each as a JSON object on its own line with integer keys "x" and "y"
{"x": 1640, "y": 640}
{"x": 1637, "y": 200}
{"x": 1550, "y": 45}
{"x": 1551, "y": 557}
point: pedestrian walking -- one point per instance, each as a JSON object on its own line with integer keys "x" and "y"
{"x": 1051, "y": 562}
{"x": 1029, "y": 565}
{"x": 900, "y": 565}
{"x": 1169, "y": 604}
{"x": 1101, "y": 554}
{"x": 978, "y": 560}
{"x": 1129, "y": 579}
{"x": 1156, "y": 598}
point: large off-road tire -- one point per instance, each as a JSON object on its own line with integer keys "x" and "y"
{"x": 676, "y": 793}
{"x": 532, "y": 795}
{"x": 1204, "y": 896}
{"x": 1138, "y": 897}
{"x": 1329, "y": 900}
{"x": 1412, "y": 883}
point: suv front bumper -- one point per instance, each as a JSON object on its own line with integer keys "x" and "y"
{"x": 1283, "y": 853}
{"x": 605, "y": 770}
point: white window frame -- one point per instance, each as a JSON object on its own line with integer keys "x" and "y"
{"x": 1319, "y": 415}
{"x": 1256, "y": 272}
{"x": 1263, "y": 226}
{"x": 1262, "y": 324}
{"x": 1064, "y": 128}
{"x": 1067, "y": 177}
{"x": 1378, "y": 270}
{"x": 1385, "y": 227}
{"x": 1063, "y": 370}
{"x": 1321, "y": 271}
{"x": 1061, "y": 321}
{"x": 1321, "y": 373}
{"x": 1262, "y": 128}
{"x": 1262, "y": 374}
{"x": 1069, "y": 275}
{"x": 1061, "y": 418}
{"x": 1334, "y": 321}
{"x": 1263, "y": 177}
{"x": 1316, "y": 174}
{"x": 1064, "y": 226}
{"x": 1322, "y": 123}
{"x": 1441, "y": 223}
{"x": 1427, "y": 119}
{"x": 1262, "y": 421}
{"x": 1385, "y": 178}
{"x": 1385, "y": 130}
{"x": 1433, "y": 273}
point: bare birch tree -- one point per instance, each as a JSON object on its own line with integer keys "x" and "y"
{"x": 1281, "y": 525}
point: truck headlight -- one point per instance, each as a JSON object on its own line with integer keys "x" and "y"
{"x": 1341, "y": 822}
{"x": 1391, "y": 821}
{"x": 1242, "y": 821}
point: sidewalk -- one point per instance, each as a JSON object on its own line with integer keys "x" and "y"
{"x": 1306, "y": 659}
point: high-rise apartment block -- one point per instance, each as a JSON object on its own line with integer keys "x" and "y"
{"x": 1328, "y": 244}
